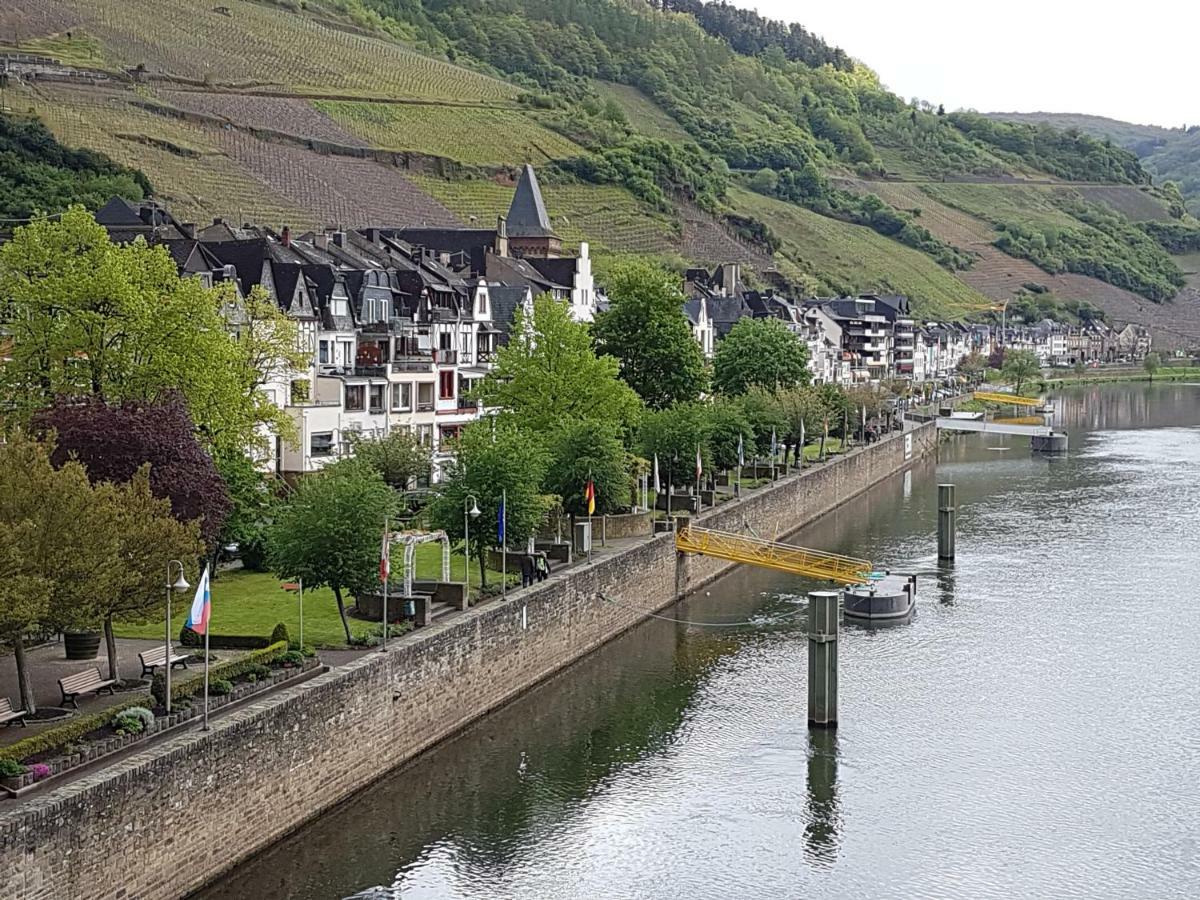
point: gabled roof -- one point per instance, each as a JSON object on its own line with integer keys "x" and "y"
{"x": 246, "y": 257}
{"x": 505, "y": 299}
{"x": 527, "y": 215}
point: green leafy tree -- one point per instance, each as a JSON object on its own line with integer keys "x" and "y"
{"x": 673, "y": 435}
{"x": 399, "y": 458}
{"x": 548, "y": 375}
{"x": 727, "y": 425}
{"x": 494, "y": 460}
{"x": 762, "y": 353}
{"x": 647, "y": 332}
{"x": 972, "y": 366}
{"x": 1151, "y": 364}
{"x": 252, "y": 500}
{"x": 803, "y": 410}
{"x": 589, "y": 450}
{"x": 329, "y": 531}
{"x": 765, "y": 414}
{"x": 148, "y": 536}
{"x": 90, "y": 318}
{"x": 1020, "y": 367}
{"x": 24, "y": 596}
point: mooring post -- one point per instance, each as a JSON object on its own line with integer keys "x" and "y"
{"x": 947, "y": 521}
{"x": 823, "y": 622}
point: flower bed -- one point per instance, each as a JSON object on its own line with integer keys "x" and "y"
{"x": 85, "y": 739}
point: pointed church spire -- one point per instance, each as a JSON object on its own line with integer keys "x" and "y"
{"x": 527, "y": 216}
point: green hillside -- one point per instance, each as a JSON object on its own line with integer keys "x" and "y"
{"x": 677, "y": 128}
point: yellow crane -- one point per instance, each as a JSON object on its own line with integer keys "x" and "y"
{"x": 772, "y": 555}
{"x": 1013, "y": 399}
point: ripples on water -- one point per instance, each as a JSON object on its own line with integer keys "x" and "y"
{"x": 1035, "y": 731}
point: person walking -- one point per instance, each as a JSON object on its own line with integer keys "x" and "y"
{"x": 527, "y": 570}
{"x": 543, "y": 567}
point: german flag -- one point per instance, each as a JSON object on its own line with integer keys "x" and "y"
{"x": 589, "y": 494}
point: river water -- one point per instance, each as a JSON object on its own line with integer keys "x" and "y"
{"x": 1034, "y": 731}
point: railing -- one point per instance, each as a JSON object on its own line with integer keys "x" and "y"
{"x": 412, "y": 364}
{"x": 371, "y": 371}
{"x": 992, "y": 397}
{"x": 773, "y": 555}
{"x": 445, "y": 357}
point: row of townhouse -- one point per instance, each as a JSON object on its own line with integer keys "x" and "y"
{"x": 398, "y": 323}
{"x": 873, "y": 337}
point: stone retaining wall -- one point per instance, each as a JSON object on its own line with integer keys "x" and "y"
{"x": 165, "y": 821}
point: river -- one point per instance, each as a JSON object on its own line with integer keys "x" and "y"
{"x": 1034, "y": 731}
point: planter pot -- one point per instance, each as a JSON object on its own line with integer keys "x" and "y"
{"x": 16, "y": 782}
{"x": 82, "y": 644}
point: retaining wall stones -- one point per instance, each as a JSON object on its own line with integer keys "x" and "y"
{"x": 165, "y": 821}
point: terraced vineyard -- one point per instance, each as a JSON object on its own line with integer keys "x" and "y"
{"x": 853, "y": 258}
{"x": 642, "y": 112}
{"x": 1135, "y": 203}
{"x": 264, "y": 45}
{"x": 290, "y": 116}
{"x": 609, "y": 218}
{"x": 469, "y": 134}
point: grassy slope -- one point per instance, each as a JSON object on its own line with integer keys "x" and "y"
{"x": 642, "y": 112}
{"x": 851, "y": 257}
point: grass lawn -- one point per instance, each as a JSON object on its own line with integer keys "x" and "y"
{"x": 252, "y": 603}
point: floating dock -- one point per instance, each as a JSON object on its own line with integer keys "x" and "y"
{"x": 884, "y": 598}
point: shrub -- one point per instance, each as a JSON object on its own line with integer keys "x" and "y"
{"x": 280, "y": 633}
{"x": 128, "y": 724}
{"x": 220, "y": 687}
{"x": 69, "y": 732}
{"x": 10, "y": 768}
{"x": 258, "y": 671}
{"x": 143, "y": 715}
{"x": 187, "y": 687}
{"x": 40, "y": 771}
{"x": 292, "y": 658}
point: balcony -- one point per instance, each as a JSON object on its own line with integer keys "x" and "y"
{"x": 445, "y": 357}
{"x": 412, "y": 363}
{"x": 371, "y": 371}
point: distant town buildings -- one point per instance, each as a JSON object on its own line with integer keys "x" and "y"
{"x": 400, "y": 323}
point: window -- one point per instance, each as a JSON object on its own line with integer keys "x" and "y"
{"x": 464, "y": 345}
{"x": 445, "y": 341}
{"x": 446, "y": 385}
{"x": 323, "y": 356}
{"x": 346, "y": 357}
{"x": 401, "y": 397}
{"x": 483, "y": 304}
{"x": 425, "y": 435}
{"x": 321, "y": 444}
{"x": 300, "y": 391}
{"x": 425, "y": 395}
{"x": 378, "y": 393}
{"x": 356, "y": 397}
{"x": 449, "y": 435}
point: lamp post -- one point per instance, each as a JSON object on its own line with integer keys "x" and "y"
{"x": 179, "y": 584}
{"x": 471, "y": 512}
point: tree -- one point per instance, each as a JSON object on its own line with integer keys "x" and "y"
{"x": 548, "y": 374}
{"x": 765, "y": 181}
{"x": 148, "y": 537}
{"x": 54, "y": 550}
{"x": 972, "y": 366}
{"x": 399, "y": 458}
{"x": 251, "y": 503}
{"x": 800, "y": 406}
{"x": 1151, "y": 364}
{"x": 727, "y": 426}
{"x": 647, "y": 332}
{"x": 1020, "y": 367}
{"x": 765, "y": 414}
{"x": 674, "y": 435}
{"x": 759, "y": 352}
{"x": 88, "y": 317}
{"x": 493, "y": 460}
{"x": 1079, "y": 368}
{"x": 329, "y": 531}
{"x": 584, "y": 451}
{"x": 114, "y": 440}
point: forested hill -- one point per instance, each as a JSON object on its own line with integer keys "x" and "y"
{"x": 1169, "y": 154}
{"x": 689, "y": 131}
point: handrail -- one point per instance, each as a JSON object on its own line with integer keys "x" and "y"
{"x": 772, "y": 555}
{"x": 990, "y": 397}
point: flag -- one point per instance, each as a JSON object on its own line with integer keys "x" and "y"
{"x": 589, "y": 494}
{"x": 802, "y": 436}
{"x": 385, "y": 557}
{"x": 774, "y": 445}
{"x": 201, "y": 607}
{"x": 500, "y": 521}
{"x": 657, "y": 484}
{"x": 864, "y": 417}
{"x": 699, "y": 465}
{"x": 741, "y": 451}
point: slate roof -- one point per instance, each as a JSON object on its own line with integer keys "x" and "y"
{"x": 505, "y": 299}
{"x": 527, "y": 215}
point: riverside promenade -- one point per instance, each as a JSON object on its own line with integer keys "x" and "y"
{"x": 168, "y": 819}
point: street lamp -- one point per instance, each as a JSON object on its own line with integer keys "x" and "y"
{"x": 179, "y": 584}
{"x": 468, "y": 514}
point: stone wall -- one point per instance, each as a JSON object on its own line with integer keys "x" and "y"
{"x": 165, "y": 821}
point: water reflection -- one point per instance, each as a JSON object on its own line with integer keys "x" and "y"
{"x": 822, "y": 833}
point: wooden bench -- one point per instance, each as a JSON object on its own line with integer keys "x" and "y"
{"x": 85, "y": 682}
{"x": 8, "y": 715}
{"x": 152, "y": 659}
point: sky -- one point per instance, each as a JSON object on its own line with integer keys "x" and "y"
{"x": 1131, "y": 62}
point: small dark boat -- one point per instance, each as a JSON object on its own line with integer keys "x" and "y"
{"x": 885, "y": 597}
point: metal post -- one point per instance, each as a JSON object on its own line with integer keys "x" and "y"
{"x": 947, "y": 521}
{"x": 822, "y": 659}
{"x": 466, "y": 554}
{"x": 167, "y": 643}
{"x": 386, "y": 579}
{"x": 504, "y": 542}
{"x": 207, "y": 631}
{"x": 301, "y": 582}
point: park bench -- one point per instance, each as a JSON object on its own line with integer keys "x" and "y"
{"x": 152, "y": 659}
{"x": 86, "y": 682}
{"x": 8, "y": 715}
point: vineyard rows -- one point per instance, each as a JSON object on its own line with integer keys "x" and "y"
{"x": 21, "y": 20}
{"x": 471, "y": 135}
{"x": 267, "y": 45}
{"x": 289, "y": 116}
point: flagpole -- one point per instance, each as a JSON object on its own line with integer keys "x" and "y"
{"x": 504, "y": 542}
{"x": 800, "y": 461}
{"x": 386, "y": 572}
{"x": 207, "y": 631}
{"x": 699, "y": 501}
{"x": 301, "y": 615}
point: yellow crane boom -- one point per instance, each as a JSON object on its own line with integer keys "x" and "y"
{"x": 989, "y": 397}
{"x": 772, "y": 555}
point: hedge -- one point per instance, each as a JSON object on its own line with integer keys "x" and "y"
{"x": 189, "y": 638}
{"x": 71, "y": 730}
{"x": 187, "y": 686}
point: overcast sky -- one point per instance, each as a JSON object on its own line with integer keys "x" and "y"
{"x": 1133, "y": 62}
